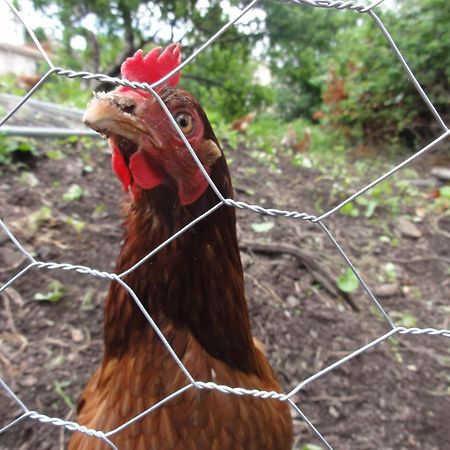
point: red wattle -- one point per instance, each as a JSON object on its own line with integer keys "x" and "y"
{"x": 191, "y": 191}
{"x": 120, "y": 168}
{"x": 144, "y": 172}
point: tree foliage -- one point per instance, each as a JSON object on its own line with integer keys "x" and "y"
{"x": 380, "y": 100}
{"x": 222, "y": 77}
{"x": 301, "y": 41}
{"x": 330, "y": 66}
{"x": 337, "y": 67}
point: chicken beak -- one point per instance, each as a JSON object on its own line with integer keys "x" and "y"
{"x": 113, "y": 114}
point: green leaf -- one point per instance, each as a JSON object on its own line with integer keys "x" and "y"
{"x": 59, "y": 389}
{"x": 251, "y": 171}
{"x": 370, "y": 205}
{"x": 302, "y": 161}
{"x": 54, "y": 154}
{"x": 40, "y": 216}
{"x": 391, "y": 272}
{"x": 311, "y": 447}
{"x": 405, "y": 319}
{"x": 25, "y": 146}
{"x": 444, "y": 192}
{"x": 75, "y": 192}
{"x": 100, "y": 208}
{"x": 262, "y": 227}
{"x": 249, "y": 191}
{"x": 78, "y": 225}
{"x": 54, "y": 295}
{"x": 349, "y": 210}
{"x": 347, "y": 281}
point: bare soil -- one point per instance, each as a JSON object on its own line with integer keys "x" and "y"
{"x": 394, "y": 396}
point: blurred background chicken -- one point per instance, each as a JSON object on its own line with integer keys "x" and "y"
{"x": 291, "y": 140}
{"x": 193, "y": 288}
{"x": 242, "y": 123}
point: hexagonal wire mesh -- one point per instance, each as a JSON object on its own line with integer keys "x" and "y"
{"x": 221, "y": 202}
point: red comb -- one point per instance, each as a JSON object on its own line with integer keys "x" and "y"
{"x": 152, "y": 67}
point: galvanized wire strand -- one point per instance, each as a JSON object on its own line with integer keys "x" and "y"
{"x": 15, "y": 241}
{"x": 27, "y": 96}
{"x": 169, "y": 240}
{"x": 13, "y": 423}
{"x": 31, "y": 33}
{"x": 408, "y": 71}
{"x": 206, "y": 44}
{"x": 310, "y": 424}
{"x": 155, "y": 328}
{"x": 270, "y": 211}
{"x": 341, "y": 361}
{"x": 46, "y": 419}
{"x": 13, "y": 396}
{"x": 356, "y": 273}
{"x": 16, "y": 277}
{"x": 399, "y": 330}
{"x": 71, "y": 426}
{"x": 187, "y": 144}
{"x": 62, "y": 266}
{"x": 421, "y": 331}
{"x": 240, "y": 391}
{"x": 336, "y": 4}
{"x": 150, "y": 409}
{"x": 385, "y": 175}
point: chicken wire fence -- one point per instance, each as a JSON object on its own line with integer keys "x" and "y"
{"x": 393, "y": 329}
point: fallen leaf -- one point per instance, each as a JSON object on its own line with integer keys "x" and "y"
{"x": 262, "y": 227}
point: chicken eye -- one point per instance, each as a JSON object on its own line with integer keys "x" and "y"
{"x": 185, "y": 122}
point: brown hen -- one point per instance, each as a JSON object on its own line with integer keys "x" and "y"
{"x": 193, "y": 288}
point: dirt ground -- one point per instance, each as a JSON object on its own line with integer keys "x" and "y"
{"x": 395, "y": 396}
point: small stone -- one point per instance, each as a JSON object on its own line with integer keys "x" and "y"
{"x": 333, "y": 412}
{"x": 408, "y": 229}
{"x": 292, "y": 301}
{"x": 27, "y": 381}
{"x": 386, "y": 290}
{"x": 77, "y": 335}
{"x": 424, "y": 182}
{"x": 441, "y": 173}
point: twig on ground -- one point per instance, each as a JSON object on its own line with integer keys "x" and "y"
{"x": 265, "y": 289}
{"x": 437, "y": 228}
{"x": 326, "y": 280}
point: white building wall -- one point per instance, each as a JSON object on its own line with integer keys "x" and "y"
{"x": 13, "y": 62}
